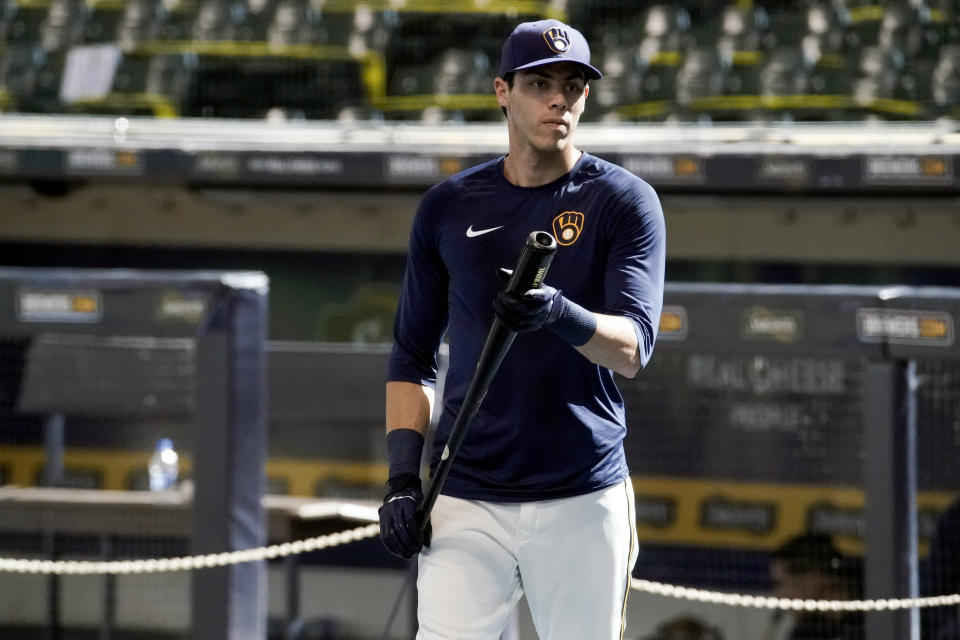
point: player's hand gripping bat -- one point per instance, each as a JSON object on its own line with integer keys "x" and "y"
{"x": 530, "y": 271}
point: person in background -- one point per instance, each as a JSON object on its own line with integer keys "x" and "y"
{"x": 942, "y": 577}
{"x": 684, "y": 627}
{"x": 810, "y": 567}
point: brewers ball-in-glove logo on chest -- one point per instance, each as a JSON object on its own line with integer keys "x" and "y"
{"x": 557, "y": 39}
{"x": 567, "y": 227}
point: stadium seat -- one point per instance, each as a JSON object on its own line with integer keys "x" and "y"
{"x": 876, "y": 87}
{"x": 215, "y": 20}
{"x": 666, "y": 22}
{"x": 44, "y": 95}
{"x": 170, "y": 75}
{"x": 176, "y": 20}
{"x": 866, "y": 22}
{"x": 371, "y": 30}
{"x": 23, "y": 23}
{"x": 8, "y": 10}
{"x": 827, "y": 87}
{"x": 743, "y": 29}
{"x": 700, "y": 79}
{"x": 131, "y": 74}
{"x": 462, "y": 71}
{"x": 253, "y": 19}
{"x": 18, "y": 69}
{"x": 783, "y": 81}
{"x": 293, "y": 22}
{"x": 140, "y": 21}
{"x": 335, "y": 27}
{"x": 252, "y": 87}
{"x": 828, "y": 24}
{"x": 945, "y": 83}
{"x": 144, "y": 85}
{"x": 102, "y": 23}
{"x": 63, "y": 26}
{"x": 622, "y": 70}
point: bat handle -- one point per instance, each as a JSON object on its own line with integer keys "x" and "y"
{"x": 534, "y": 260}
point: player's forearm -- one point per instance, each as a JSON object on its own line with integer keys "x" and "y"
{"x": 409, "y": 406}
{"x": 613, "y": 345}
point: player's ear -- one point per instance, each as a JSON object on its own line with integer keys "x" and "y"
{"x": 502, "y": 90}
{"x": 586, "y": 90}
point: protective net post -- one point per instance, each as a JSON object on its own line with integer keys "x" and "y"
{"x": 231, "y": 451}
{"x": 890, "y": 502}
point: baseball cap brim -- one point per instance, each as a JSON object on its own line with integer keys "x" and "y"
{"x": 592, "y": 73}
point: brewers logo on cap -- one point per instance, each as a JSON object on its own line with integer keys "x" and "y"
{"x": 557, "y": 39}
{"x": 567, "y": 227}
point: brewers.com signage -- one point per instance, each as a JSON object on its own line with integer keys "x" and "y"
{"x": 34, "y": 305}
{"x": 906, "y": 169}
{"x": 905, "y": 326}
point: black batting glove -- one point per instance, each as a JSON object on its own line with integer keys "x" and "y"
{"x": 399, "y": 526}
{"x": 529, "y": 311}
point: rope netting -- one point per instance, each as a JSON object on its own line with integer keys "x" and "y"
{"x": 190, "y": 563}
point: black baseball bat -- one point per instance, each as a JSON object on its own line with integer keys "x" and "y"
{"x": 530, "y": 271}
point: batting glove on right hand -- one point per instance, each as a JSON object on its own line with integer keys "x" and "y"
{"x": 530, "y": 310}
{"x": 399, "y": 529}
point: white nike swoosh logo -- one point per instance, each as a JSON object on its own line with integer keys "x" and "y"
{"x": 479, "y": 232}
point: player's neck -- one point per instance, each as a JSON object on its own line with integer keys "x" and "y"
{"x": 530, "y": 168}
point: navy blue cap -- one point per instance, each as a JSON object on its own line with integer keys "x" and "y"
{"x": 535, "y": 43}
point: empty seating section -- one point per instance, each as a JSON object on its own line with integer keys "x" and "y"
{"x": 688, "y": 60}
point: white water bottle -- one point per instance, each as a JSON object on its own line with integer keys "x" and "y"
{"x": 164, "y": 466}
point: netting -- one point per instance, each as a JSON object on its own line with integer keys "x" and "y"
{"x": 430, "y": 61}
{"x": 96, "y": 368}
{"x": 747, "y": 448}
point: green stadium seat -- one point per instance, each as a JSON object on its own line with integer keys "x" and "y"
{"x": 700, "y": 80}
{"x": 782, "y": 80}
{"x": 176, "y": 20}
{"x": 44, "y": 95}
{"x": 254, "y": 18}
{"x": 18, "y": 70}
{"x": 463, "y": 71}
{"x": 25, "y": 23}
{"x": 131, "y": 74}
{"x": 293, "y": 22}
{"x": 335, "y": 27}
{"x": 622, "y": 70}
{"x": 743, "y": 29}
{"x": 8, "y": 9}
{"x": 253, "y": 87}
{"x": 877, "y": 79}
{"x": 945, "y": 83}
{"x": 828, "y": 24}
{"x": 103, "y": 21}
{"x": 411, "y": 80}
{"x": 215, "y": 20}
{"x": 140, "y": 22}
{"x": 828, "y": 90}
{"x": 63, "y": 26}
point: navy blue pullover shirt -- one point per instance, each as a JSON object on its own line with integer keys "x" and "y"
{"x": 552, "y": 423}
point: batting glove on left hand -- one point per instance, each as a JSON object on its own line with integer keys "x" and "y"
{"x": 529, "y": 311}
{"x": 399, "y": 529}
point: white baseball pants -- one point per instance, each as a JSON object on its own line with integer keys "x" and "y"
{"x": 572, "y": 557}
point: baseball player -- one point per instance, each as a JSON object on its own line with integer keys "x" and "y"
{"x": 539, "y": 500}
